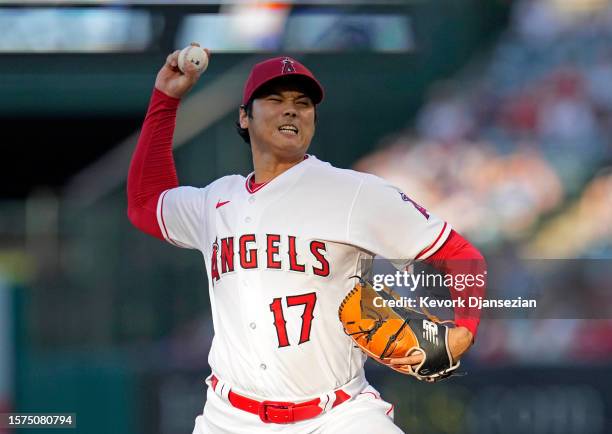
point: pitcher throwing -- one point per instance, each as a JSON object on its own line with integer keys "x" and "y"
{"x": 280, "y": 247}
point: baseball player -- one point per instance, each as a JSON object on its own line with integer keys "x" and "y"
{"x": 280, "y": 247}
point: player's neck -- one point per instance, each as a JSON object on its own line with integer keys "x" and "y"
{"x": 267, "y": 166}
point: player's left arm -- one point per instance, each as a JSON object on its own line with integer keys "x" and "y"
{"x": 385, "y": 221}
{"x": 458, "y": 257}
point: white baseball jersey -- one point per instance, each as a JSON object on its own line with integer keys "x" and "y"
{"x": 279, "y": 263}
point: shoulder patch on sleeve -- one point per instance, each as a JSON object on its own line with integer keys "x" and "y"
{"x": 419, "y": 208}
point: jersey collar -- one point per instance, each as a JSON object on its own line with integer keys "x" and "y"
{"x": 252, "y": 187}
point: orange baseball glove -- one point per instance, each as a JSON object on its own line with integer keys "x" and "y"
{"x": 383, "y": 331}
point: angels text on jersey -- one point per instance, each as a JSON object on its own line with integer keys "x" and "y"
{"x": 269, "y": 251}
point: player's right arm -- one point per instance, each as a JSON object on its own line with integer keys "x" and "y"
{"x": 152, "y": 170}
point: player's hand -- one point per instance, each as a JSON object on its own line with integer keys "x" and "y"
{"x": 171, "y": 81}
{"x": 460, "y": 339}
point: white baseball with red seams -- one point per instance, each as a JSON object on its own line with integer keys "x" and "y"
{"x": 279, "y": 263}
{"x": 194, "y": 54}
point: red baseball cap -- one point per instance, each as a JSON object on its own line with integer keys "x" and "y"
{"x": 277, "y": 67}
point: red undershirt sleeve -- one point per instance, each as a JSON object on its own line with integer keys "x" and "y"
{"x": 458, "y": 257}
{"x": 152, "y": 169}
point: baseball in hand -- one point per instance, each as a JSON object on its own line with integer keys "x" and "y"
{"x": 194, "y": 54}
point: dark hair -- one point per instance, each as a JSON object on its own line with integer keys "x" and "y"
{"x": 244, "y": 132}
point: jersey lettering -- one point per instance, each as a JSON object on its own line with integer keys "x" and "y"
{"x": 214, "y": 271}
{"x": 227, "y": 255}
{"x": 315, "y": 248}
{"x": 248, "y": 258}
{"x": 272, "y": 251}
{"x": 293, "y": 262}
{"x": 309, "y": 301}
{"x": 222, "y": 260}
{"x": 276, "y": 308}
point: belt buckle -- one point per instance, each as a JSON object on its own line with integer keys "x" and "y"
{"x": 263, "y": 410}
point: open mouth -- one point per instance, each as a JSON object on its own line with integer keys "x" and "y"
{"x": 288, "y": 129}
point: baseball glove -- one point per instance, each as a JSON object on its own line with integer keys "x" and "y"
{"x": 393, "y": 332}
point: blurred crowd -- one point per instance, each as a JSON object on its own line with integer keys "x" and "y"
{"x": 518, "y": 137}
{"x": 516, "y": 153}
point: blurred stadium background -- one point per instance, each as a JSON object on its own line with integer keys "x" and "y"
{"x": 495, "y": 114}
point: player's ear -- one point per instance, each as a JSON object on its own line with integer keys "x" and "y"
{"x": 243, "y": 117}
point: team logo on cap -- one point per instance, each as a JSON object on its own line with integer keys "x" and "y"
{"x": 287, "y": 65}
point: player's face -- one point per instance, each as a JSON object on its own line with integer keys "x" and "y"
{"x": 282, "y": 122}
